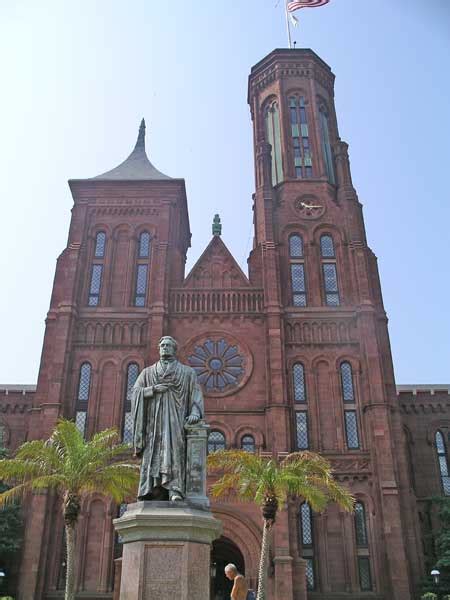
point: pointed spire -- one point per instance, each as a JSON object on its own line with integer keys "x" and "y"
{"x": 137, "y": 165}
{"x": 216, "y": 226}
{"x": 140, "y": 142}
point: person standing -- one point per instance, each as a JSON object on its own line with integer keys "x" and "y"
{"x": 240, "y": 588}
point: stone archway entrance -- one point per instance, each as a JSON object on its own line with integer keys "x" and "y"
{"x": 224, "y": 551}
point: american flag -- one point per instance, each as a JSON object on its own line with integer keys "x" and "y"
{"x": 297, "y": 4}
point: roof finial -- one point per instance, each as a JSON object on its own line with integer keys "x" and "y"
{"x": 140, "y": 143}
{"x": 216, "y": 226}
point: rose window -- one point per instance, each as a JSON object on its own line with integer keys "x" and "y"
{"x": 218, "y": 364}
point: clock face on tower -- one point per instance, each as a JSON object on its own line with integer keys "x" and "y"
{"x": 221, "y": 364}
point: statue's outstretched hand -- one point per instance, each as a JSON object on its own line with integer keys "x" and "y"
{"x": 192, "y": 419}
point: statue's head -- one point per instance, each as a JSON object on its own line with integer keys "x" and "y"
{"x": 167, "y": 346}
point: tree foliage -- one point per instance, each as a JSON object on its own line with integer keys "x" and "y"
{"x": 269, "y": 483}
{"x": 71, "y": 466}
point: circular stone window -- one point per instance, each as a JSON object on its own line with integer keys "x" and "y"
{"x": 221, "y": 365}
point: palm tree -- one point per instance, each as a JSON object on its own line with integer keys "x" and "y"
{"x": 267, "y": 482}
{"x": 71, "y": 466}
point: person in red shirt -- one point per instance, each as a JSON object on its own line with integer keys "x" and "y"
{"x": 240, "y": 588}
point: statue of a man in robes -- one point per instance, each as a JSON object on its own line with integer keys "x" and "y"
{"x": 166, "y": 396}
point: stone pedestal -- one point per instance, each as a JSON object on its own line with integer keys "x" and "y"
{"x": 166, "y": 551}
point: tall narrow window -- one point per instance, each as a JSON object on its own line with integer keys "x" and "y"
{"x": 62, "y": 569}
{"x": 127, "y": 429}
{"x": 216, "y": 441}
{"x": 300, "y": 137}
{"x": 443, "y": 463}
{"x": 360, "y": 525}
{"x": 329, "y": 272}
{"x": 273, "y": 136}
{"x": 143, "y": 254}
{"x": 248, "y": 443}
{"x": 307, "y": 543}
{"x": 326, "y": 145}
{"x": 302, "y": 430}
{"x": 297, "y": 265}
{"x": 351, "y": 429}
{"x": 118, "y": 541}
{"x": 298, "y": 376}
{"x": 348, "y": 394}
{"x": 365, "y": 579}
{"x": 95, "y": 282}
{"x": 2, "y": 435}
{"x": 81, "y": 405}
{"x": 362, "y": 548}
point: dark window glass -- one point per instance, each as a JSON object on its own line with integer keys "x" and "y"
{"x": 326, "y": 246}
{"x": 132, "y": 375}
{"x": 273, "y": 136}
{"x": 331, "y": 285}
{"x": 144, "y": 245}
{"x": 443, "y": 463}
{"x": 141, "y": 285}
{"x": 365, "y": 579}
{"x": 84, "y": 383}
{"x": 326, "y": 146}
{"x": 216, "y": 441}
{"x": 2, "y": 436}
{"x": 299, "y": 129}
{"x": 118, "y": 545}
{"x": 100, "y": 242}
{"x": 310, "y": 579}
{"x": 295, "y": 246}
{"x": 80, "y": 421}
{"x": 298, "y": 284}
{"x": 360, "y": 525}
{"x": 347, "y": 382}
{"x": 306, "y": 532}
{"x": 96, "y": 283}
{"x": 298, "y": 373}
{"x": 302, "y": 430}
{"x": 248, "y": 443}
{"x": 351, "y": 429}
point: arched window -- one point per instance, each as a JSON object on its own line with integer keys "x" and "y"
{"x": 95, "y": 283}
{"x": 329, "y": 272}
{"x": 443, "y": 463}
{"x": 298, "y": 376}
{"x": 273, "y": 136}
{"x": 300, "y": 137}
{"x": 326, "y": 145}
{"x": 100, "y": 244}
{"x": 248, "y": 443}
{"x": 297, "y": 266}
{"x": 127, "y": 429}
{"x": 307, "y": 543}
{"x": 216, "y": 441}
{"x": 82, "y": 401}
{"x": 348, "y": 394}
{"x": 360, "y": 525}
{"x": 143, "y": 254}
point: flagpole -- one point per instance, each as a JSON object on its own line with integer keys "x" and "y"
{"x": 287, "y": 24}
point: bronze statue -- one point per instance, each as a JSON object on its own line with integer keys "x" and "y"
{"x": 166, "y": 396}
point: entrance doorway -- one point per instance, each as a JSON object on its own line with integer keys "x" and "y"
{"x": 224, "y": 551}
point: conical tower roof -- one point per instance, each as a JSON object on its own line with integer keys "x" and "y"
{"x": 136, "y": 166}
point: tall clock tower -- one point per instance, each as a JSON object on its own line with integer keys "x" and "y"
{"x": 331, "y": 376}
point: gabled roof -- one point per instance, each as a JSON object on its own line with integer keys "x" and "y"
{"x": 219, "y": 266}
{"x": 136, "y": 166}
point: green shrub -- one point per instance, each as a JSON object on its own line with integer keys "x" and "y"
{"x": 429, "y": 596}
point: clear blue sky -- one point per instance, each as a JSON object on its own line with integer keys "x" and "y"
{"x": 78, "y": 76}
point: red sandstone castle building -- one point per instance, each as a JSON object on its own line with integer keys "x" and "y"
{"x": 293, "y": 355}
